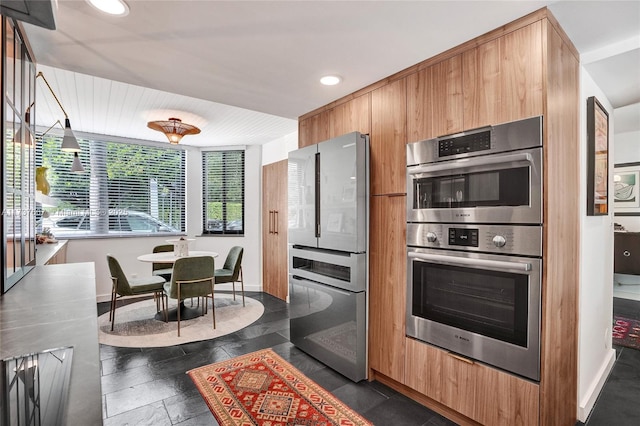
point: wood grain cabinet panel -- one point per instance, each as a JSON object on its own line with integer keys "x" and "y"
{"x": 387, "y": 285}
{"x": 483, "y": 394}
{"x": 314, "y": 129}
{"x": 274, "y": 229}
{"x": 434, "y": 100}
{"x": 503, "y": 399}
{"x": 388, "y": 139}
{"x": 351, "y": 116}
{"x": 503, "y": 78}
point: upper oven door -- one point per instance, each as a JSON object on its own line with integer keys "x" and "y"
{"x": 495, "y": 188}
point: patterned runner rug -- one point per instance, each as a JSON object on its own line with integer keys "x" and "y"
{"x": 262, "y": 389}
{"x": 626, "y": 332}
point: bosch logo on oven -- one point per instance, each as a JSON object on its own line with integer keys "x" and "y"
{"x": 464, "y": 339}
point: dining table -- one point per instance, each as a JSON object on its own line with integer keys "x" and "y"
{"x": 186, "y": 312}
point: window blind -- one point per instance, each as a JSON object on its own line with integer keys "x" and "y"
{"x": 126, "y": 189}
{"x": 223, "y": 192}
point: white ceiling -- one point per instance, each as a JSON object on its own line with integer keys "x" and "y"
{"x": 243, "y": 71}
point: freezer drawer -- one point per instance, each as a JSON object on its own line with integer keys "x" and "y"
{"x": 330, "y": 325}
{"x": 347, "y": 271}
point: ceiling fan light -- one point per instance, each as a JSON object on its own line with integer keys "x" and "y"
{"x": 76, "y": 166}
{"x": 69, "y": 141}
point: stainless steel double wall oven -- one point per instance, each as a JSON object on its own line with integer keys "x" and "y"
{"x": 474, "y": 244}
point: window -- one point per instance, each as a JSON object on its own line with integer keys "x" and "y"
{"x": 127, "y": 189}
{"x": 223, "y": 188}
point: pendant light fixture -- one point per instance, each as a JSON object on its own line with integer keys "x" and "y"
{"x": 17, "y": 138}
{"x": 69, "y": 141}
{"x": 76, "y": 166}
{"x": 174, "y": 129}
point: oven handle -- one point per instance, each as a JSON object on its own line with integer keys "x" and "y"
{"x": 467, "y": 261}
{"x": 475, "y": 162}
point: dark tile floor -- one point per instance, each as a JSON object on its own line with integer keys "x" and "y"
{"x": 619, "y": 402}
{"x": 149, "y": 386}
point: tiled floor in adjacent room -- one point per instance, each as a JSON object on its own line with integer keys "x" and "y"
{"x": 619, "y": 402}
{"x": 149, "y": 386}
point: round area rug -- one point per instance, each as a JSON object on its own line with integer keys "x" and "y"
{"x": 136, "y": 327}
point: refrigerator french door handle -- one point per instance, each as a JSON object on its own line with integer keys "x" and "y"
{"x": 317, "y": 182}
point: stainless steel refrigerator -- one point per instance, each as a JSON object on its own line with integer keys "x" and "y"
{"x": 328, "y": 193}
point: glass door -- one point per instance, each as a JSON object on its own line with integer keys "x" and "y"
{"x": 18, "y": 156}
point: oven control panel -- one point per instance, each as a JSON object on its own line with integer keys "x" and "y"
{"x": 505, "y": 239}
{"x": 466, "y": 237}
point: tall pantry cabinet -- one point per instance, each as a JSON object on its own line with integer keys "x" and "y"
{"x": 274, "y": 230}
{"x": 525, "y": 68}
{"x": 387, "y": 230}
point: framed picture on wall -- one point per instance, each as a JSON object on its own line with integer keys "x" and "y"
{"x": 597, "y": 158}
{"x": 626, "y": 189}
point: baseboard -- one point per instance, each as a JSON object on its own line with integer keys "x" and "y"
{"x": 222, "y": 287}
{"x": 589, "y": 400}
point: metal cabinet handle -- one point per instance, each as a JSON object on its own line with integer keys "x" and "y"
{"x": 460, "y": 358}
{"x": 275, "y": 222}
{"x": 626, "y": 253}
{"x": 270, "y": 221}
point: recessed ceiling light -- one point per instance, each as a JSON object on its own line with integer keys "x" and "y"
{"x": 330, "y": 80}
{"x": 112, "y": 7}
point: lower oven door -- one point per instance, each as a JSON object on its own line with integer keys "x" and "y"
{"x": 329, "y": 324}
{"x": 486, "y": 307}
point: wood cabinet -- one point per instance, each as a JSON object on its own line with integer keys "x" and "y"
{"x": 388, "y": 139}
{"x": 350, "y": 116}
{"x": 314, "y": 129}
{"x": 434, "y": 100}
{"x": 503, "y": 78}
{"x": 525, "y": 68}
{"x": 274, "y": 229}
{"x": 482, "y": 393}
{"x": 387, "y": 285}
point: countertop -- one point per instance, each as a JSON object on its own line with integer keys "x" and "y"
{"x": 44, "y": 252}
{"x": 51, "y": 307}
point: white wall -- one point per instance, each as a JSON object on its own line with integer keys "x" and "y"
{"x": 595, "y": 354}
{"x": 279, "y": 149}
{"x": 126, "y": 250}
{"x": 627, "y": 147}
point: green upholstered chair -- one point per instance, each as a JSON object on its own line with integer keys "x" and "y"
{"x": 123, "y": 286}
{"x": 162, "y": 269}
{"x": 192, "y": 277}
{"x": 232, "y": 270}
